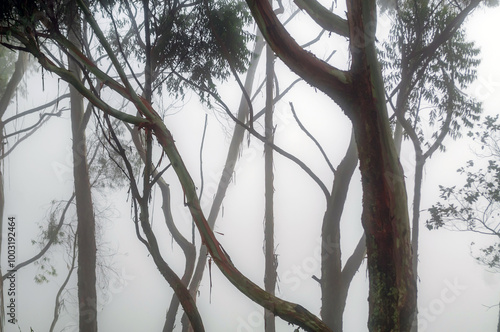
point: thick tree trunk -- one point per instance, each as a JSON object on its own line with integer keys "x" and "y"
{"x": 385, "y": 220}
{"x": 360, "y": 93}
{"x": 392, "y": 294}
{"x": 87, "y": 295}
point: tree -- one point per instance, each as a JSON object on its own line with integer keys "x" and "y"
{"x": 384, "y": 217}
{"x": 87, "y": 294}
{"x": 7, "y": 90}
{"x": 360, "y": 93}
{"x": 475, "y": 206}
{"x": 11, "y": 77}
{"x": 434, "y": 83}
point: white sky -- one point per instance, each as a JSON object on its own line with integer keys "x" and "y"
{"x": 454, "y": 291}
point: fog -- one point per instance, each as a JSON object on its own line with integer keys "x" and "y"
{"x": 455, "y": 293}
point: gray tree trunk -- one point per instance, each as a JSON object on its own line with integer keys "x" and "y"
{"x": 87, "y": 295}
{"x": 270, "y": 274}
{"x": 7, "y": 95}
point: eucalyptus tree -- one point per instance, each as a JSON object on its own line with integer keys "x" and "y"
{"x": 425, "y": 92}
{"x": 361, "y": 93}
{"x": 150, "y": 120}
{"x": 174, "y": 44}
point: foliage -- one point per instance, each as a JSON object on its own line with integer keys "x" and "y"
{"x": 475, "y": 206}
{"x": 7, "y": 61}
{"x": 186, "y": 40}
{"x": 435, "y": 84}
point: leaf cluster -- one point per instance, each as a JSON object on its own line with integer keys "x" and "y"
{"x": 476, "y": 205}
{"x": 7, "y": 63}
{"x": 185, "y": 41}
{"x": 434, "y": 83}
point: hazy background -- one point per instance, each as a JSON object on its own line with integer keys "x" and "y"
{"x": 454, "y": 292}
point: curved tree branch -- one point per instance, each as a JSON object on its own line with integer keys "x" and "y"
{"x": 323, "y": 17}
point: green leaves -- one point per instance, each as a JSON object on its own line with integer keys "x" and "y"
{"x": 185, "y": 46}
{"x": 476, "y": 205}
{"x": 428, "y": 85}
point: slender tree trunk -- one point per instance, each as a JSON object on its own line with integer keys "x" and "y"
{"x": 187, "y": 248}
{"x": 182, "y": 294}
{"x": 7, "y": 95}
{"x": 398, "y": 137}
{"x": 498, "y": 326}
{"x": 270, "y": 274}
{"x": 419, "y": 168}
{"x": 227, "y": 173}
{"x": 2, "y": 203}
{"x": 87, "y": 295}
{"x": 14, "y": 81}
{"x": 332, "y": 287}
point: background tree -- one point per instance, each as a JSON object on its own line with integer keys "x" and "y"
{"x": 475, "y": 206}
{"x": 11, "y": 133}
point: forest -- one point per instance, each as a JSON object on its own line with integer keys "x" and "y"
{"x": 257, "y": 165}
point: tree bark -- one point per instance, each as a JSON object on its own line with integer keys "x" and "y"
{"x": 498, "y": 326}
{"x": 360, "y": 93}
{"x": 333, "y": 290}
{"x": 270, "y": 274}
{"x": 392, "y": 293}
{"x": 87, "y": 294}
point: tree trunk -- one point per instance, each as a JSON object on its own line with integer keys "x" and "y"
{"x": 188, "y": 249}
{"x": 87, "y": 295}
{"x": 360, "y": 93}
{"x": 498, "y": 326}
{"x": 419, "y": 168}
{"x": 392, "y": 294}
{"x": 7, "y": 95}
{"x": 229, "y": 166}
{"x": 333, "y": 290}
{"x": 2, "y": 203}
{"x": 270, "y": 274}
